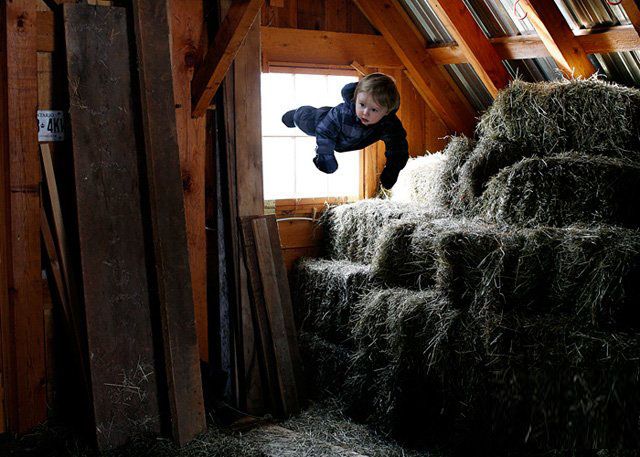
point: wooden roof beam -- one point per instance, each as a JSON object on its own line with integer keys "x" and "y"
{"x": 433, "y": 83}
{"x": 474, "y": 44}
{"x": 558, "y": 38}
{"x": 221, "y": 53}
{"x": 632, "y": 8}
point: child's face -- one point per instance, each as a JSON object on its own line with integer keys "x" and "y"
{"x": 367, "y": 110}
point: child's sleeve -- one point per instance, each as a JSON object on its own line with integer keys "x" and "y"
{"x": 396, "y": 152}
{"x": 327, "y": 131}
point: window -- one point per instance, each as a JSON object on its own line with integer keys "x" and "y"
{"x": 288, "y": 170}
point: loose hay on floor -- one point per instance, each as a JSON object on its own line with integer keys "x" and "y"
{"x": 564, "y": 189}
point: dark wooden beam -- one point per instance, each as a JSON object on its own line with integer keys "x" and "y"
{"x": 474, "y": 44}
{"x": 110, "y": 226}
{"x": 223, "y": 50}
{"x": 558, "y": 38}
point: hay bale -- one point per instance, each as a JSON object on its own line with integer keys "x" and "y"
{"x": 542, "y": 119}
{"x": 325, "y": 293}
{"x": 544, "y": 382}
{"x": 418, "y": 181}
{"x": 399, "y": 334}
{"x": 535, "y": 380}
{"x": 447, "y": 190}
{"x": 432, "y": 180}
{"x": 351, "y": 231}
{"x": 588, "y": 115}
{"x": 564, "y": 189}
{"x": 596, "y": 275}
{"x": 472, "y": 263}
{"x": 489, "y": 156}
{"x": 590, "y": 272}
{"x": 325, "y": 364}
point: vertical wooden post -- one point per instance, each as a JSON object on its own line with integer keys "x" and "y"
{"x": 186, "y": 23}
{"x": 21, "y": 305}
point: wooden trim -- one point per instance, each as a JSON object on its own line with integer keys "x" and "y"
{"x": 433, "y": 83}
{"x": 474, "y": 43}
{"x": 309, "y": 69}
{"x": 632, "y": 8}
{"x": 286, "y": 46}
{"x": 232, "y": 32}
{"x": 558, "y": 38}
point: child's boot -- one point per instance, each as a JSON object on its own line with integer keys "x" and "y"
{"x": 287, "y": 118}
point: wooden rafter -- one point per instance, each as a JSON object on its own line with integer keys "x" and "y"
{"x": 330, "y": 48}
{"x": 333, "y": 48}
{"x": 433, "y": 83}
{"x": 632, "y": 8}
{"x": 558, "y": 38}
{"x": 222, "y": 51}
{"x": 474, "y": 44}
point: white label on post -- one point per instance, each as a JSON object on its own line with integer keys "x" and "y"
{"x": 50, "y": 125}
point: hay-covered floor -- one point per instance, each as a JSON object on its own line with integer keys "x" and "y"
{"x": 321, "y": 431}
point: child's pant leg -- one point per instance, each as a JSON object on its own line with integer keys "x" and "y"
{"x": 307, "y": 118}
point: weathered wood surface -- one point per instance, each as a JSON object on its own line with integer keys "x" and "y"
{"x": 175, "y": 299}
{"x": 187, "y": 33}
{"x": 261, "y": 319}
{"x": 21, "y": 302}
{"x": 110, "y": 226}
{"x": 275, "y": 291}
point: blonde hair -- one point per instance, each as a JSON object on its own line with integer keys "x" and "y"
{"x": 382, "y": 89}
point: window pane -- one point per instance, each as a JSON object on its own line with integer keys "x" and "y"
{"x": 277, "y": 98}
{"x": 278, "y": 167}
{"x": 346, "y": 180}
{"x": 289, "y": 171}
{"x": 310, "y": 182}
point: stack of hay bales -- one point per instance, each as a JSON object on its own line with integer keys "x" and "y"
{"x": 501, "y": 307}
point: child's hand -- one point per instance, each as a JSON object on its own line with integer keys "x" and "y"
{"x": 325, "y": 163}
{"x": 388, "y": 178}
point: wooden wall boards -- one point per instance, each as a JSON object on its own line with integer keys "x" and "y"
{"x": 21, "y": 304}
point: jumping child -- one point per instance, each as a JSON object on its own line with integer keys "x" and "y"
{"x": 368, "y": 114}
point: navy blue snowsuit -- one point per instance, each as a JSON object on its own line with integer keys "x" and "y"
{"x": 339, "y": 129}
